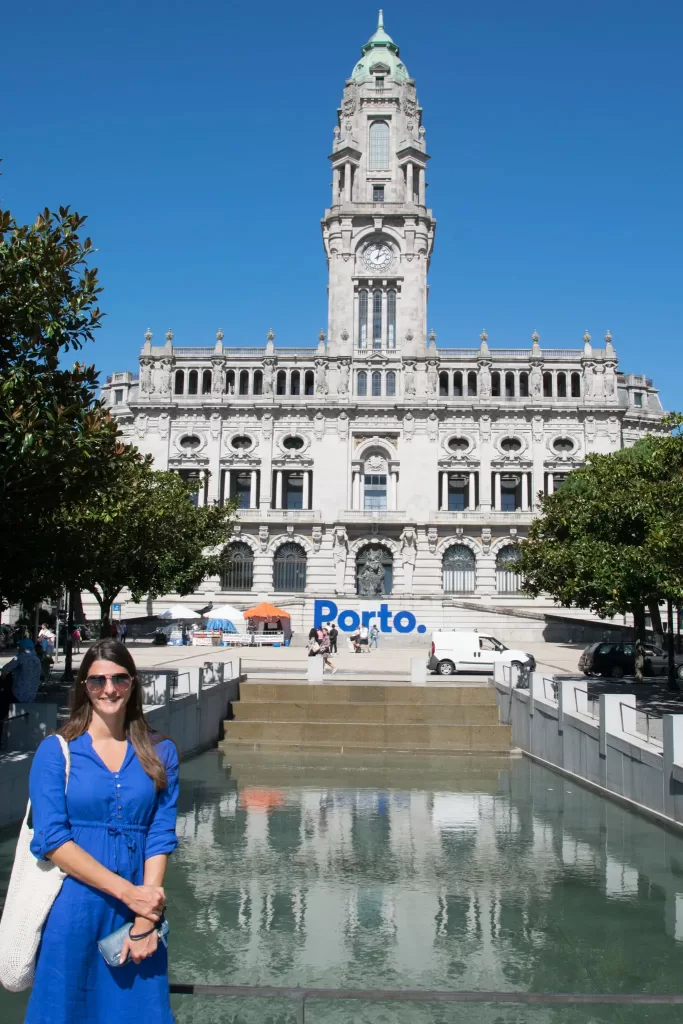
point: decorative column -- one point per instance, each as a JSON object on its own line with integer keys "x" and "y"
{"x": 409, "y": 183}
{"x": 472, "y": 493}
{"x": 278, "y": 488}
{"x": 347, "y": 183}
{"x": 384, "y": 342}
{"x": 551, "y": 483}
{"x": 253, "y": 489}
{"x": 201, "y": 493}
{"x": 392, "y": 491}
{"x": 355, "y": 490}
{"x": 497, "y": 501}
{"x": 525, "y": 492}
{"x": 306, "y": 499}
{"x": 335, "y": 186}
{"x": 444, "y": 492}
{"x": 422, "y": 186}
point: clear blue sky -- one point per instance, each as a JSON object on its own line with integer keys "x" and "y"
{"x": 195, "y": 136}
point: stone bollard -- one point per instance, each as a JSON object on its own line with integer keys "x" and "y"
{"x": 418, "y": 671}
{"x": 314, "y": 668}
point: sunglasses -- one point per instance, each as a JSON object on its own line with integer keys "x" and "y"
{"x": 121, "y": 682}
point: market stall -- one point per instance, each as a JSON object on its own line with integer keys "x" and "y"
{"x": 267, "y": 621}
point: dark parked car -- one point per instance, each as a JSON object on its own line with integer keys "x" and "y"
{"x": 616, "y": 660}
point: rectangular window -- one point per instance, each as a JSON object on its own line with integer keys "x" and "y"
{"x": 457, "y": 495}
{"x": 377, "y": 319}
{"x": 376, "y": 384}
{"x": 378, "y": 193}
{"x": 118, "y": 397}
{"x": 379, "y": 82}
{"x": 375, "y": 493}
{"x": 638, "y": 400}
{"x": 293, "y": 496}
{"x": 240, "y": 488}
{"x": 508, "y": 501}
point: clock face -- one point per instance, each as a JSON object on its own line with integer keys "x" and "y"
{"x": 378, "y": 256}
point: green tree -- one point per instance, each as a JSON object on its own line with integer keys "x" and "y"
{"x": 142, "y": 532}
{"x": 609, "y": 538}
{"x": 57, "y": 442}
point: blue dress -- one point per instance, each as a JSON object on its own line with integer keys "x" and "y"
{"x": 121, "y": 820}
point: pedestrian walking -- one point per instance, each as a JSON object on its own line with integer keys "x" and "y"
{"x": 324, "y": 641}
{"x": 124, "y": 632}
{"x": 76, "y": 640}
{"x": 363, "y": 637}
{"x": 374, "y": 636}
{"x": 114, "y": 631}
{"x": 20, "y": 678}
{"x": 112, "y": 849}
{"x": 334, "y": 636}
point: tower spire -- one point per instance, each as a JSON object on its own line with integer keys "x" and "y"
{"x": 380, "y": 19}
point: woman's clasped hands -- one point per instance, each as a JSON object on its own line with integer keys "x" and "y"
{"x": 148, "y": 903}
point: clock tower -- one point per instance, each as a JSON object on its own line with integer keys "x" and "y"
{"x": 378, "y": 232}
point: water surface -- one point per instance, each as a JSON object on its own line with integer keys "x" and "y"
{"x": 473, "y": 873}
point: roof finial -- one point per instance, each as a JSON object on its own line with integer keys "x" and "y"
{"x": 380, "y": 20}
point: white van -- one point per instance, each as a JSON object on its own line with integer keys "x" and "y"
{"x": 469, "y": 651}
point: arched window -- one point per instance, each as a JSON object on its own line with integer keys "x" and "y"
{"x": 179, "y": 387}
{"x": 237, "y": 567}
{"x": 206, "y": 382}
{"x": 376, "y": 384}
{"x": 391, "y": 318}
{"x": 374, "y": 571}
{"x": 244, "y": 382}
{"x": 547, "y": 385}
{"x": 443, "y": 384}
{"x": 289, "y": 568}
{"x": 230, "y": 382}
{"x": 459, "y": 570}
{"x": 391, "y": 383}
{"x": 562, "y": 385}
{"x": 281, "y": 382}
{"x": 295, "y": 383}
{"x": 509, "y": 385}
{"x": 377, "y": 319}
{"x": 524, "y": 385}
{"x": 576, "y": 385}
{"x": 362, "y": 383}
{"x": 379, "y": 146}
{"x": 363, "y": 318}
{"x": 471, "y": 384}
{"x": 457, "y": 384}
{"x": 309, "y": 382}
{"x": 258, "y": 382}
{"x": 495, "y": 384}
{"x": 193, "y": 382}
{"x": 507, "y": 580}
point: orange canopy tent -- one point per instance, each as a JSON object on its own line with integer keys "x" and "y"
{"x": 265, "y": 612}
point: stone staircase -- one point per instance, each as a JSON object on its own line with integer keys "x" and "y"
{"x": 450, "y": 718}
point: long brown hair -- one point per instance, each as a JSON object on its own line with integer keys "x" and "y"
{"x": 137, "y": 728}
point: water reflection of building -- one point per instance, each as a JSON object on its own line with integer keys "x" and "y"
{"x": 414, "y": 888}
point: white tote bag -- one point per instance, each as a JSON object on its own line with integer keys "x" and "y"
{"x": 33, "y": 888}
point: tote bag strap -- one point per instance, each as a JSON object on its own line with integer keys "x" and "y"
{"x": 67, "y": 758}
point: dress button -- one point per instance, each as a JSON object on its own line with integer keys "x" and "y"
{"x": 120, "y": 815}
{"x": 118, "y": 785}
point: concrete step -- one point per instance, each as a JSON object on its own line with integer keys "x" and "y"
{"x": 343, "y": 693}
{"x": 377, "y": 736}
{"x": 385, "y": 713}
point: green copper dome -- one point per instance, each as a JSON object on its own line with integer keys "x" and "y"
{"x": 380, "y": 49}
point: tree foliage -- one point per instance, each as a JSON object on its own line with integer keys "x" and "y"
{"x": 57, "y": 441}
{"x": 609, "y": 538}
{"x": 143, "y": 533}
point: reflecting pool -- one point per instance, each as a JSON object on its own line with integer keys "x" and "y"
{"x": 472, "y": 873}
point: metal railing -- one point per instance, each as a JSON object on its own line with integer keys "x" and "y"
{"x": 651, "y": 725}
{"x": 302, "y": 996}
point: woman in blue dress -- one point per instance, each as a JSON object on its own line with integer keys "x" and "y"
{"x": 111, "y": 832}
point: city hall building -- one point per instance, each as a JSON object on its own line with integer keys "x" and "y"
{"x": 378, "y": 465}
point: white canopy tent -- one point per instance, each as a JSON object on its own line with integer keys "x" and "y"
{"x": 178, "y": 612}
{"x": 229, "y": 612}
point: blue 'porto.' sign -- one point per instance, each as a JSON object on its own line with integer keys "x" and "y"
{"x": 348, "y": 620}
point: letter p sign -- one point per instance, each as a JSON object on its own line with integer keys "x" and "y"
{"x": 324, "y": 611}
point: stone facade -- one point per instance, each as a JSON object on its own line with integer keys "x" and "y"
{"x": 377, "y": 444}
